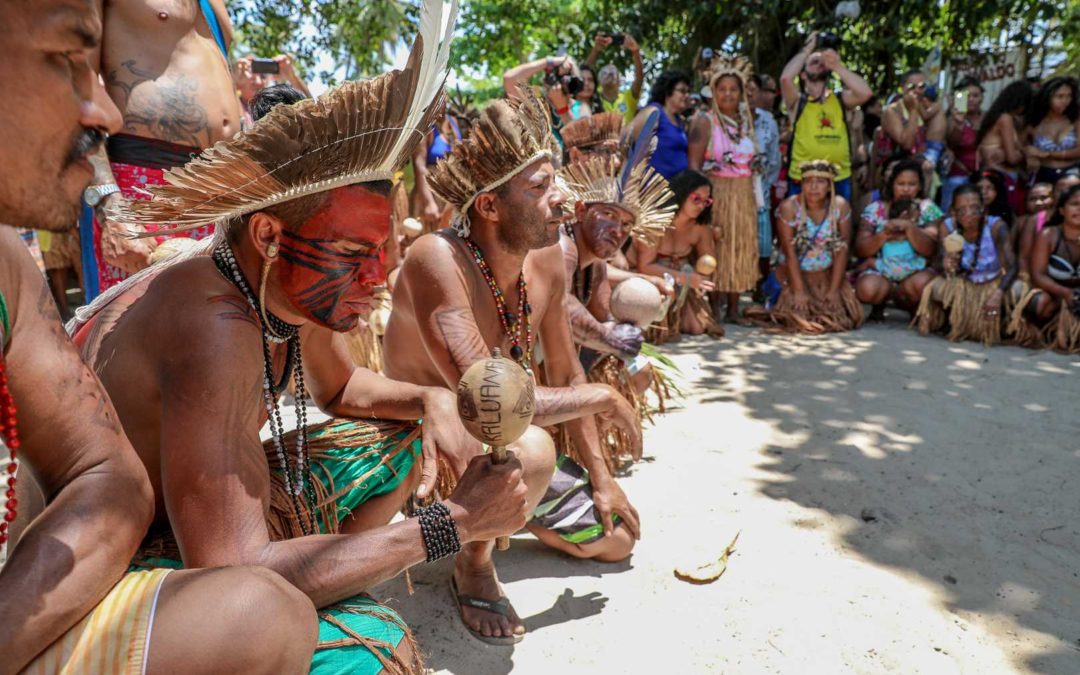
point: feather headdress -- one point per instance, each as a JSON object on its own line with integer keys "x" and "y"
{"x": 593, "y": 130}
{"x": 509, "y": 135}
{"x": 730, "y": 64}
{"x": 358, "y": 133}
{"x": 638, "y": 188}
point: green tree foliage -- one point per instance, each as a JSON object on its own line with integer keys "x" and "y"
{"x": 358, "y": 36}
{"x": 889, "y": 37}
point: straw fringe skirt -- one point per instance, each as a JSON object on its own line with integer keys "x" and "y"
{"x": 670, "y": 327}
{"x": 735, "y": 229}
{"x": 819, "y": 317}
{"x": 375, "y": 444}
{"x": 958, "y": 308}
{"x": 364, "y": 347}
{"x": 1020, "y": 330}
{"x": 1063, "y": 332}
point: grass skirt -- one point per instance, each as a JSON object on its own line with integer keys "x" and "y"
{"x": 735, "y": 228}
{"x": 670, "y": 327}
{"x": 959, "y": 311}
{"x": 819, "y": 317}
{"x": 353, "y": 460}
{"x": 1020, "y": 330}
{"x": 1063, "y": 332}
{"x": 365, "y": 348}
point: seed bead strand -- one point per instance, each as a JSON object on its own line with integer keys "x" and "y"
{"x": 9, "y": 437}
{"x": 296, "y": 478}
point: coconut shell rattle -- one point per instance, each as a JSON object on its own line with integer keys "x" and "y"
{"x": 496, "y": 402}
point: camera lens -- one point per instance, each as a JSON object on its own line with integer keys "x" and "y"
{"x": 573, "y": 85}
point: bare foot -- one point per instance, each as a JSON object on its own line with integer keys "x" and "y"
{"x": 481, "y": 581}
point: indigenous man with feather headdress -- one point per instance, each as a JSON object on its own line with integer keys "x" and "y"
{"x": 195, "y": 354}
{"x": 610, "y": 205}
{"x": 498, "y": 281}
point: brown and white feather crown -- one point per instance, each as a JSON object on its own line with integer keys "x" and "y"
{"x": 509, "y": 135}
{"x": 593, "y": 130}
{"x": 643, "y": 192}
{"x": 726, "y": 64}
{"x": 361, "y": 132}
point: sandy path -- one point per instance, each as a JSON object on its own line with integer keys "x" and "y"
{"x": 906, "y": 505}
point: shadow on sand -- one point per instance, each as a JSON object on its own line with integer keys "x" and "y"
{"x": 996, "y": 524}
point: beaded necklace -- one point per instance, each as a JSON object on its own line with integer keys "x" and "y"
{"x": 297, "y": 477}
{"x": 9, "y": 438}
{"x": 583, "y": 279}
{"x": 512, "y": 324}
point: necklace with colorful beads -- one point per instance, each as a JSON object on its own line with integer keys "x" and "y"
{"x": 297, "y": 476}
{"x": 9, "y": 439}
{"x": 513, "y": 325}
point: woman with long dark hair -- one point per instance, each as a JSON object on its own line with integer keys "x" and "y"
{"x": 1055, "y": 273}
{"x": 897, "y": 235}
{"x": 1054, "y": 129}
{"x": 995, "y": 195}
{"x": 978, "y": 271}
{"x": 687, "y": 241}
{"x": 1000, "y": 139}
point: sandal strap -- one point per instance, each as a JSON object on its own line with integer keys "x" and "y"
{"x": 500, "y": 606}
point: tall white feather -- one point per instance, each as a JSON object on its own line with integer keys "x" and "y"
{"x": 433, "y": 69}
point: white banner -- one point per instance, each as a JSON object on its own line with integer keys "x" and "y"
{"x": 993, "y": 70}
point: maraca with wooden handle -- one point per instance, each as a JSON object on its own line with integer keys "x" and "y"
{"x": 496, "y": 402}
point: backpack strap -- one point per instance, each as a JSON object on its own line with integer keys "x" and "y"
{"x": 215, "y": 26}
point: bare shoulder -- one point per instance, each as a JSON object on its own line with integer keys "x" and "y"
{"x": 787, "y": 208}
{"x": 434, "y": 265}
{"x": 194, "y": 312}
{"x": 432, "y": 248}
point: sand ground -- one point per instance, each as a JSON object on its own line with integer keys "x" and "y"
{"x": 906, "y": 505}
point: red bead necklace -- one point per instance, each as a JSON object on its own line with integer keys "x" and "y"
{"x": 9, "y": 436}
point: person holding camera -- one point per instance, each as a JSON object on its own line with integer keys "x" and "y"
{"x": 914, "y": 124}
{"x": 252, "y": 74}
{"x": 962, "y": 131}
{"x": 611, "y": 97}
{"x": 817, "y": 113}
{"x": 562, "y": 81}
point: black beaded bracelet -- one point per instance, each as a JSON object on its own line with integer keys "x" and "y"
{"x": 439, "y": 531}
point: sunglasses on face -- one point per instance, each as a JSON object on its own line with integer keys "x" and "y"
{"x": 682, "y": 90}
{"x": 698, "y": 200}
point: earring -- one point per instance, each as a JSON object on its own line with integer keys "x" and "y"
{"x": 271, "y": 253}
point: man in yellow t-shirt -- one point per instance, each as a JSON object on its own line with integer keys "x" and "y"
{"x": 611, "y": 98}
{"x": 819, "y": 128}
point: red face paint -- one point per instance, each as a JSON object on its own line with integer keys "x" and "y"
{"x": 330, "y": 267}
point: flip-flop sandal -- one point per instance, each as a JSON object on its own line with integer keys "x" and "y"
{"x": 500, "y": 606}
